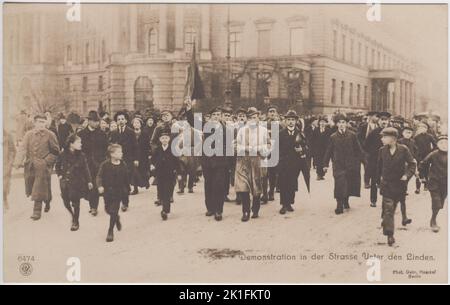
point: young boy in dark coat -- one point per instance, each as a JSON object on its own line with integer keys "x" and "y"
{"x": 166, "y": 168}
{"x": 395, "y": 167}
{"x": 113, "y": 182}
{"x": 436, "y": 164}
{"x": 74, "y": 177}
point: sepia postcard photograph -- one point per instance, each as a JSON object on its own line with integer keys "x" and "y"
{"x": 224, "y": 143}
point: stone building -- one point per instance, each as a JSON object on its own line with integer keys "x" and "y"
{"x": 313, "y": 58}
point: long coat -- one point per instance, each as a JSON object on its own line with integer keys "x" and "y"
{"x": 372, "y": 145}
{"x": 94, "y": 146}
{"x": 346, "y": 152}
{"x": 291, "y": 162}
{"x": 319, "y": 144}
{"x": 129, "y": 144}
{"x": 39, "y": 149}
{"x": 141, "y": 174}
{"x": 62, "y": 132}
{"x": 73, "y": 169}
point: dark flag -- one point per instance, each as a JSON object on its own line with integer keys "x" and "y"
{"x": 194, "y": 85}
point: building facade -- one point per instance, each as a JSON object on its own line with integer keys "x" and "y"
{"x": 135, "y": 56}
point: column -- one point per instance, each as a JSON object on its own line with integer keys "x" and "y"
{"x": 413, "y": 98}
{"x": 179, "y": 28}
{"x": 43, "y": 38}
{"x": 21, "y": 48}
{"x": 133, "y": 28}
{"x": 162, "y": 35}
{"x": 402, "y": 97}
{"x": 205, "y": 52}
{"x": 16, "y": 37}
{"x": 397, "y": 107}
{"x": 407, "y": 100}
{"x": 36, "y": 39}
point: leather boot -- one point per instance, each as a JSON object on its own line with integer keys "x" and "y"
{"x": 37, "y": 210}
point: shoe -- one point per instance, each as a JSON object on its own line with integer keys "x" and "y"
{"x": 406, "y": 221}
{"x": 290, "y": 208}
{"x": 346, "y": 206}
{"x": 218, "y": 217}
{"x": 367, "y": 186}
{"x": 417, "y": 192}
{"x": 110, "y": 237}
{"x": 283, "y": 211}
{"x": 339, "y": 211}
{"x": 391, "y": 241}
{"x": 124, "y": 208}
{"x": 373, "y": 205}
{"x": 271, "y": 197}
{"x": 264, "y": 200}
{"x": 208, "y": 214}
{"x": 425, "y": 189}
{"x": 158, "y": 203}
{"x": 94, "y": 212}
{"x": 75, "y": 227}
{"x": 163, "y": 215}
{"x": 134, "y": 192}
{"x": 191, "y": 191}
{"x": 245, "y": 217}
{"x": 180, "y": 192}
{"x": 37, "y": 211}
{"x": 47, "y": 207}
{"x": 118, "y": 224}
{"x": 171, "y": 199}
{"x": 90, "y": 211}
{"x": 435, "y": 229}
{"x": 255, "y": 215}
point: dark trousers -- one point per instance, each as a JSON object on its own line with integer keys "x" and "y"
{"x": 272, "y": 175}
{"x": 342, "y": 203}
{"x": 366, "y": 174}
{"x": 215, "y": 188}
{"x": 373, "y": 191}
{"x": 438, "y": 197}
{"x": 245, "y": 199}
{"x": 287, "y": 197}
{"x": 186, "y": 177}
{"x": 319, "y": 171}
{"x": 112, "y": 206}
{"x": 93, "y": 198}
{"x": 165, "y": 190}
{"x": 73, "y": 208}
{"x": 389, "y": 207}
{"x": 227, "y": 182}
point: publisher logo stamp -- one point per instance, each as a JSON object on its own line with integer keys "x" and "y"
{"x": 26, "y": 269}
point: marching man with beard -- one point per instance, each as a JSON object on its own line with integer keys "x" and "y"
{"x": 346, "y": 152}
{"x": 292, "y": 160}
{"x": 252, "y": 143}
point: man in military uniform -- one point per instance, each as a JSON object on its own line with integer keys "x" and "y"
{"x": 94, "y": 146}
{"x": 39, "y": 149}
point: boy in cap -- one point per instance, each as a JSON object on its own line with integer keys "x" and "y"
{"x": 436, "y": 163}
{"x": 425, "y": 145}
{"x": 166, "y": 167}
{"x": 395, "y": 167}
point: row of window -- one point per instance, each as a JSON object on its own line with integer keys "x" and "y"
{"x": 355, "y": 52}
{"x": 361, "y": 98}
{"x": 84, "y": 84}
{"x": 87, "y": 53}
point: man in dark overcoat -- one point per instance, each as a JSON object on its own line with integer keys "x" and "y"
{"x": 363, "y": 132}
{"x": 346, "y": 153}
{"x": 319, "y": 144}
{"x": 292, "y": 159}
{"x": 371, "y": 146}
{"x": 125, "y": 137}
{"x": 94, "y": 146}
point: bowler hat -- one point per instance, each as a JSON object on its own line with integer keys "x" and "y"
{"x": 291, "y": 114}
{"x": 93, "y": 116}
{"x": 384, "y": 115}
{"x": 340, "y": 117}
{"x": 241, "y": 110}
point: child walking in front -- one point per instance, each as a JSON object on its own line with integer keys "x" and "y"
{"x": 74, "y": 178}
{"x": 113, "y": 183}
{"x": 436, "y": 164}
{"x": 166, "y": 168}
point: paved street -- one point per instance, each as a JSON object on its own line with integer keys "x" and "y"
{"x": 190, "y": 247}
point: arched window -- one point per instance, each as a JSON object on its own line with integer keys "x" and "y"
{"x": 190, "y": 37}
{"x": 143, "y": 93}
{"x": 152, "y": 41}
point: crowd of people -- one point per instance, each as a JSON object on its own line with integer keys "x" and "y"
{"x": 114, "y": 156}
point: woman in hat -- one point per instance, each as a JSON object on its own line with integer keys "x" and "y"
{"x": 140, "y": 174}
{"x": 436, "y": 164}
